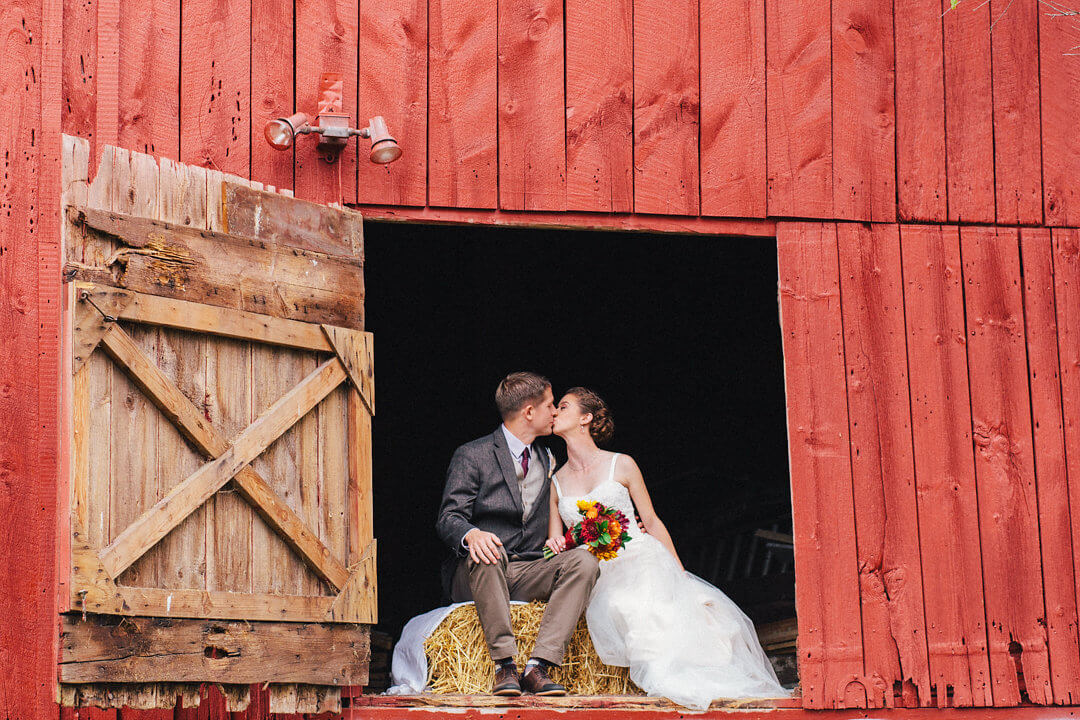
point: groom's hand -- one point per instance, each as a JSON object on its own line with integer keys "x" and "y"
{"x": 483, "y": 546}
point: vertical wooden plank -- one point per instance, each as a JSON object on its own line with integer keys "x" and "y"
{"x": 334, "y": 473}
{"x": 393, "y": 42}
{"x": 107, "y": 65}
{"x": 532, "y": 105}
{"x": 1004, "y": 464}
{"x": 1059, "y": 90}
{"x": 183, "y": 552}
{"x": 969, "y": 113}
{"x": 1052, "y": 482}
{"x": 863, "y": 116}
{"x": 326, "y": 42}
{"x": 79, "y": 108}
{"x": 733, "y": 108}
{"x": 599, "y": 105}
{"x": 463, "y": 112}
{"x": 1017, "y": 136}
{"x": 27, "y": 628}
{"x": 149, "y": 76}
{"x": 666, "y": 107}
{"x": 883, "y": 469}
{"x": 230, "y": 535}
{"x": 1066, "y": 263}
{"x": 799, "y": 109}
{"x": 361, "y": 530}
{"x": 136, "y": 482}
{"x": 215, "y": 87}
{"x": 271, "y": 87}
{"x": 944, "y": 467}
{"x": 827, "y": 587}
{"x": 920, "y": 111}
{"x": 308, "y": 453}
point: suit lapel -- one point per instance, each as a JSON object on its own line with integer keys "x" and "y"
{"x": 506, "y": 464}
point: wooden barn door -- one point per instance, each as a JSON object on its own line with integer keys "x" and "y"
{"x": 221, "y": 397}
{"x": 932, "y": 421}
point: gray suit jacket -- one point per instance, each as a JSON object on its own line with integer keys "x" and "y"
{"x": 482, "y": 492}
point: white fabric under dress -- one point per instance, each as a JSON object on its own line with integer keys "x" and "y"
{"x": 681, "y": 637}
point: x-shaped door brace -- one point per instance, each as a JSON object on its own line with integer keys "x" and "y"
{"x": 228, "y": 461}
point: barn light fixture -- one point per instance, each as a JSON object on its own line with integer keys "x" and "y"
{"x": 333, "y": 128}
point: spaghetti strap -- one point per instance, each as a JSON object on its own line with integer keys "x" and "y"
{"x": 555, "y": 482}
{"x": 611, "y": 472}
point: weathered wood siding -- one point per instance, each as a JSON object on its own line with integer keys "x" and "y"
{"x": 853, "y": 110}
{"x": 938, "y": 473}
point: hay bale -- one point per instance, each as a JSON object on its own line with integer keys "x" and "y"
{"x": 459, "y": 662}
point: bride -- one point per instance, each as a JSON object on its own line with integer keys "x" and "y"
{"x": 681, "y": 637}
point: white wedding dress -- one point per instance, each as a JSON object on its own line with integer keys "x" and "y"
{"x": 681, "y": 637}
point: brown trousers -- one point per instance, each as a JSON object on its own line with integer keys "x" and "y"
{"x": 564, "y": 582}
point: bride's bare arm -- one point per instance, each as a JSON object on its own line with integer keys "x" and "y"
{"x": 555, "y": 526}
{"x": 628, "y": 473}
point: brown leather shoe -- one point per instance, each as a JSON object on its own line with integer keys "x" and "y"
{"x": 506, "y": 681}
{"x": 535, "y": 680}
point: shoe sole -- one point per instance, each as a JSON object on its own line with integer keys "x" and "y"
{"x": 551, "y": 693}
{"x": 507, "y": 693}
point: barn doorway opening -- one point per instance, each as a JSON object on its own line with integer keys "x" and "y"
{"x": 679, "y": 334}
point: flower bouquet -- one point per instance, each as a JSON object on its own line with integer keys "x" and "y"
{"x": 602, "y": 530}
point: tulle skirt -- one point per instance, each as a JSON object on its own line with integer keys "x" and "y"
{"x": 681, "y": 637}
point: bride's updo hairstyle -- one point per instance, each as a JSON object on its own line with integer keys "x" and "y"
{"x": 602, "y": 427}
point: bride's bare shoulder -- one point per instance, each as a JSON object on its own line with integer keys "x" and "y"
{"x": 626, "y": 469}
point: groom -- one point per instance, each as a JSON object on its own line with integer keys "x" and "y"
{"x": 494, "y": 516}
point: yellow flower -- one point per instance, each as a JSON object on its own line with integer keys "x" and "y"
{"x": 605, "y": 554}
{"x": 583, "y": 505}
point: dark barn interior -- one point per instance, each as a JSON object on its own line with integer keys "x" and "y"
{"x": 681, "y": 336}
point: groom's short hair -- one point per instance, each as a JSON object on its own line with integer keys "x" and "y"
{"x": 517, "y": 389}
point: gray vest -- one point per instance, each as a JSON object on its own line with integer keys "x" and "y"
{"x": 531, "y": 484}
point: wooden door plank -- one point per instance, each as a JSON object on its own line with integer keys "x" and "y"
{"x": 357, "y": 602}
{"x": 179, "y": 410}
{"x": 1017, "y": 135}
{"x": 969, "y": 113}
{"x": 463, "y": 113}
{"x": 1059, "y": 92}
{"x": 863, "y": 115}
{"x": 149, "y": 71}
{"x": 185, "y": 553}
{"x": 146, "y": 650}
{"x": 294, "y": 223}
{"x": 217, "y": 269}
{"x": 236, "y": 324}
{"x": 1004, "y": 463}
{"x": 944, "y": 466}
{"x": 1066, "y": 265}
{"x": 215, "y": 85}
{"x": 325, "y": 41}
{"x": 272, "y": 90}
{"x": 827, "y": 591}
{"x": 333, "y": 458}
{"x": 1052, "y": 482}
{"x": 799, "y": 109}
{"x": 393, "y": 42}
{"x": 361, "y": 516}
{"x": 733, "y": 109}
{"x": 204, "y": 604}
{"x": 666, "y": 107}
{"x": 532, "y": 105}
{"x": 142, "y": 534}
{"x": 356, "y": 352}
{"x": 599, "y": 105}
{"x": 920, "y": 111}
{"x": 883, "y": 470}
{"x": 310, "y": 482}
{"x": 136, "y": 483}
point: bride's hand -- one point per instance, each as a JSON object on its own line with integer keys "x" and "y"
{"x": 556, "y": 544}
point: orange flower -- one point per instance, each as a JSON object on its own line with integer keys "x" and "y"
{"x": 614, "y": 529}
{"x": 592, "y": 513}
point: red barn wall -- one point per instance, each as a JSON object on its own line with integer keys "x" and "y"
{"x": 708, "y": 116}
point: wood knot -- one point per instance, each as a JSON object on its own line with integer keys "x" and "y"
{"x": 538, "y": 27}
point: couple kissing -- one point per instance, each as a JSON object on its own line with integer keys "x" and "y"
{"x": 504, "y": 504}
